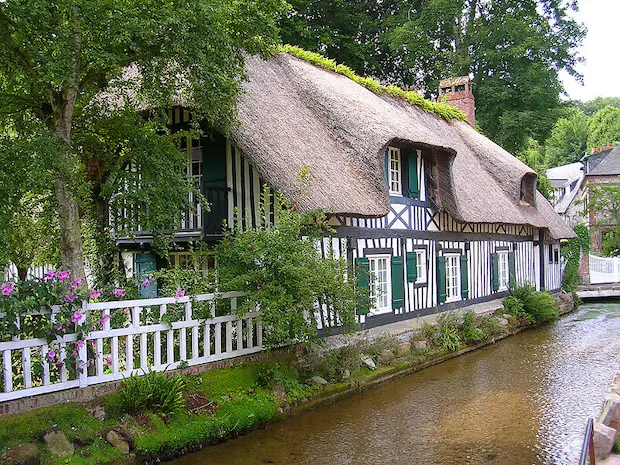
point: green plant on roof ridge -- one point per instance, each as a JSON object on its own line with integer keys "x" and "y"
{"x": 447, "y": 112}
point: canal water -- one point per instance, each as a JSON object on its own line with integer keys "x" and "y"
{"x": 524, "y": 400}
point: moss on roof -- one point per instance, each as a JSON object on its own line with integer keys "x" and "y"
{"x": 442, "y": 110}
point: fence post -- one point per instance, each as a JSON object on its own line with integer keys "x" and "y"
{"x": 82, "y": 361}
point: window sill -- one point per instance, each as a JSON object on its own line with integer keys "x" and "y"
{"x": 420, "y": 284}
{"x": 453, "y": 299}
{"x": 380, "y": 311}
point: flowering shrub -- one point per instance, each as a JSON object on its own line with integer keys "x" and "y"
{"x": 52, "y": 308}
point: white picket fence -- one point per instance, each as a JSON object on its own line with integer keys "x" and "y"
{"x": 604, "y": 269}
{"x": 133, "y": 340}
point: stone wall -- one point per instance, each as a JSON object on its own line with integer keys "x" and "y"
{"x": 608, "y": 424}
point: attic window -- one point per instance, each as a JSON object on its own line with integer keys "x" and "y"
{"x": 394, "y": 170}
{"x": 446, "y": 90}
{"x": 460, "y": 88}
{"x": 528, "y": 189}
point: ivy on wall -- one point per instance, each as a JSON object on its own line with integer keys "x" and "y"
{"x": 572, "y": 251}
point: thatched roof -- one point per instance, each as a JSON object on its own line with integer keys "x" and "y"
{"x": 295, "y": 115}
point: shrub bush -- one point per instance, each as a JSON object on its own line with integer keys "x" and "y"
{"x": 154, "y": 391}
{"x": 537, "y": 305}
{"x": 470, "y": 330}
{"x": 330, "y": 364}
{"x": 514, "y": 307}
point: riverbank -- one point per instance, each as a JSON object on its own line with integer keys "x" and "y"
{"x": 225, "y": 403}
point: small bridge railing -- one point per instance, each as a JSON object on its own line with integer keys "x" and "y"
{"x": 604, "y": 269}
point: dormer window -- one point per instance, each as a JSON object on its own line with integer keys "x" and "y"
{"x": 528, "y": 189}
{"x": 394, "y": 171}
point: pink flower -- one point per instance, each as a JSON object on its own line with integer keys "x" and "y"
{"x": 63, "y": 275}
{"x": 151, "y": 277}
{"x": 69, "y": 298}
{"x": 180, "y": 292}
{"x": 59, "y": 363}
{"x": 7, "y": 288}
{"x": 76, "y": 283}
{"x": 58, "y": 327}
{"x": 51, "y": 274}
{"x": 146, "y": 283}
{"x": 107, "y": 361}
{"x": 119, "y": 292}
{"x": 77, "y": 316}
{"x": 79, "y": 343}
{"x": 94, "y": 294}
{"x": 51, "y": 355}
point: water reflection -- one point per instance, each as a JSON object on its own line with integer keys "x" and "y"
{"x": 522, "y": 401}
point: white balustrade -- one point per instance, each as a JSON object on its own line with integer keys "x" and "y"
{"x": 604, "y": 269}
{"x": 130, "y": 337}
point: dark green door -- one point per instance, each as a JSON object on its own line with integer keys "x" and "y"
{"x": 145, "y": 265}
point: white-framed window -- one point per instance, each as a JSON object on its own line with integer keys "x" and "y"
{"x": 394, "y": 171}
{"x": 202, "y": 262}
{"x": 420, "y": 260}
{"x": 503, "y": 273}
{"x": 453, "y": 277}
{"x": 380, "y": 281}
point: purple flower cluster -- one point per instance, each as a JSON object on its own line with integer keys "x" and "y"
{"x": 7, "y": 288}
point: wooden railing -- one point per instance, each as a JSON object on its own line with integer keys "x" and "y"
{"x": 133, "y": 337}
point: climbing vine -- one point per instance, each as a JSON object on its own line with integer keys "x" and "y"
{"x": 572, "y": 251}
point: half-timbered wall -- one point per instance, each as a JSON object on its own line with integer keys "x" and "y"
{"x": 422, "y": 298}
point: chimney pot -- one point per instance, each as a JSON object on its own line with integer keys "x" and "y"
{"x": 457, "y": 92}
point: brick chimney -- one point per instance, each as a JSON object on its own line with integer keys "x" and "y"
{"x": 457, "y": 92}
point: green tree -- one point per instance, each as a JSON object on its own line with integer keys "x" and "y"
{"x": 568, "y": 140}
{"x": 283, "y": 273}
{"x": 604, "y": 204}
{"x": 532, "y": 156}
{"x": 28, "y": 223}
{"x": 592, "y": 106}
{"x": 604, "y": 127}
{"x": 55, "y": 57}
{"x": 514, "y": 50}
{"x": 348, "y": 31}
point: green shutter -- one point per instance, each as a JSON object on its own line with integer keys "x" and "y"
{"x": 398, "y": 289}
{"x": 387, "y": 170}
{"x": 412, "y": 267}
{"x": 414, "y": 188}
{"x": 512, "y": 267}
{"x": 362, "y": 269}
{"x": 441, "y": 279}
{"x": 464, "y": 278}
{"x": 495, "y": 272}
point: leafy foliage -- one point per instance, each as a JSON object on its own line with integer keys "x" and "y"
{"x": 604, "y": 127}
{"x": 572, "y": 251}
{"x": 603, "y": 203}
{"x": 514, "y": 51}
{"x": 153, "y": 391}
{"x": 470, "y": 331}
{"x": 538, "y": 305}
{"x": 284, "y": 275}
{"x": 56, "y": 60}
{"x": 568, "y": 140}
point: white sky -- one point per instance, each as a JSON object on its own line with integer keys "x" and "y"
{"x": 600, "y": 50}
